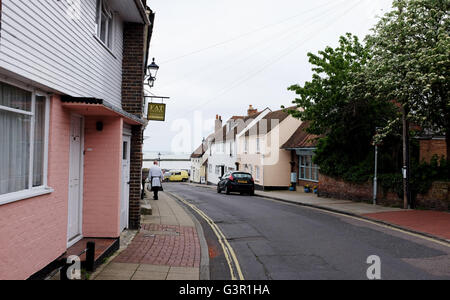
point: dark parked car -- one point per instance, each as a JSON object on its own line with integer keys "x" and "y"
{"x": 236, "y": 182}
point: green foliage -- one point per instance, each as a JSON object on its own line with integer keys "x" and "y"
{"x": 422, "y": 176}
{"x": 410, "y": 46}
{"x": 336, "y": 105}
{"x": 355, "y": 88}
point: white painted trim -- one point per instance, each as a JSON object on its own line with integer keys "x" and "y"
{"x": 43, "y": 189}
{"x": 25, "y": 194}
{"x": 81, "y": 187}
{"x": 46, "y": 139}
{"x": 125, "y": 138}
{"x": 74, "y": 240}
{"x": 32, "y": 126}
{"x": 15, "y": 110}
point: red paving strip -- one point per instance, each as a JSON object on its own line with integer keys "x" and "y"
{"x": 431, "y": 222}
{"x": 180, "y": 247}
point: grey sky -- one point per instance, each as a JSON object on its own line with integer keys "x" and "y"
{"x": 217, "y": 56}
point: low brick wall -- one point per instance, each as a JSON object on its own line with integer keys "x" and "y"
{"x": 437, "y": 198}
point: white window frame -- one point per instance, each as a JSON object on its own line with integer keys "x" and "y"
{"x": 257, "y": 173}
{"x": 44, "y": 188}
{"x": 312, "y": 168}
{"x": 102, "y": 6}
{"x": 258, "y": 145}
{"x": 246, "y": 143}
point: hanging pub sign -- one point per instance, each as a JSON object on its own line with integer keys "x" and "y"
{"x": 156, "y": 112}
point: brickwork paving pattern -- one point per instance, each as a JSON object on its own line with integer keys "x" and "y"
{"x": 175, "y": 246}
{"x": 166, "y": 247}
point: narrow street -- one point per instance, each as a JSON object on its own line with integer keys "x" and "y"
{"x": 274, "y": 240}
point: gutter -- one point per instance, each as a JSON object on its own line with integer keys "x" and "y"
{"x": 107, "y": 105}
{"x": 141, "y": 8}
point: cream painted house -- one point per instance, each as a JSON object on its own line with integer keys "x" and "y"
{"x": 223, "y": 148}
{"x": 260, "y": 154}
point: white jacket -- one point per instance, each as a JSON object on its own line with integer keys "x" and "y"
{"x": 155, "y": 176}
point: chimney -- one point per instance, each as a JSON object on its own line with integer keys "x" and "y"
{"x": 251, "y": 111}
{"x": 218, "y": 124}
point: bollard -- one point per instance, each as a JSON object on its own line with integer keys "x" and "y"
{"x": 90, "y": 256}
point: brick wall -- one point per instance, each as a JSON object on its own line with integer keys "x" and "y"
{"x": 437, "y": 198}
{"x": 135, "y": 176}
{"x": 429, "y": 148}
{"x": 133, "y": 66}
{"x": 132, "y": 102}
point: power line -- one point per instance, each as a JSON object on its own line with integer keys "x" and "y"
{"x": 267, "y": 40}
{"x": 243, "y": 35}
{"x": 270, "y": 62}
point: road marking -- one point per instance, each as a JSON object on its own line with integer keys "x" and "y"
{"x": 363, "y": 220}
{"x": 228, "y": 251}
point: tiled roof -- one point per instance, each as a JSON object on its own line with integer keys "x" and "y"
{"x": 269, "y": 122}
{"x": 301, "y": 138}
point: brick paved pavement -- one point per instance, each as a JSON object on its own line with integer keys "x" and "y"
{"x": 166, "y": 248}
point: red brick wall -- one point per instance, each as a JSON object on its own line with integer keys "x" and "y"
{"x": 429, "y": 148}
{"x": 339, "y": 189}
{"x": 437, "y": 198}
{"x": 133, "y": 66}
{"x": 133, "y": 102}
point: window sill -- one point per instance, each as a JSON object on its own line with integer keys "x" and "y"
{"x": 104, "y": 45}
{"x": 22, "y": 195}
{"x": 309, "y": 180}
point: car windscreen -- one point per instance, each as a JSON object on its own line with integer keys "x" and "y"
{"x": 242, "y": 176}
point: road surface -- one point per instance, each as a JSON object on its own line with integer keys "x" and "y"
{"x": 273, "y": 240}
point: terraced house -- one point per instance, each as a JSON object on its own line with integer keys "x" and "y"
{"x": 71, "y": 123}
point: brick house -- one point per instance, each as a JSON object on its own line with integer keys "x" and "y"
{"x": 71, "y": 120}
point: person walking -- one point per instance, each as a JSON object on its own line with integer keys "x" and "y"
{"x": 155, "y": 176}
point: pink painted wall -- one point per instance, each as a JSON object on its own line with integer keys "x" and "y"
{"x": 102, "y": 177}
{"x": 33, "y": 232}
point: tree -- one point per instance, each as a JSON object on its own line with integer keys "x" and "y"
{"x": 338, "y": 104}
{"x": 411, "y": 62}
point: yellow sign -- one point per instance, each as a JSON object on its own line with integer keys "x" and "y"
{"x": 156, "y": 112}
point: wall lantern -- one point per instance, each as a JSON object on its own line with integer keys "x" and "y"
{"x": 152, "y": 71}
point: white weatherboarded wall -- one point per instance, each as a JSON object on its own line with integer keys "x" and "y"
{"x": 40, "y": 42}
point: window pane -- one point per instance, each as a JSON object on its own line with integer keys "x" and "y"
{"x": 307, "y": 173}
{"x": 110, "y": 33}
{"x": 14, "y": 151}
{"x": 103, "y": 28}
{"x": 14, "y": 97}
{"x": 39, "y": 141}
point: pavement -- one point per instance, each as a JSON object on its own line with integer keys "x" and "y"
{"x": 167, "y": 247}
{"x": 433, "y": 224}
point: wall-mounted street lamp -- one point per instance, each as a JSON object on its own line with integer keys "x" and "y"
{"x": 152, "y": 70}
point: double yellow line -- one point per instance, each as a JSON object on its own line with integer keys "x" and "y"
{"x": 228, "y": 251}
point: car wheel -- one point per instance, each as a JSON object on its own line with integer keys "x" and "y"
{"x": 218, "y": 190}
{"x": 226, "y": 190}
{"x": 252, "y": 193}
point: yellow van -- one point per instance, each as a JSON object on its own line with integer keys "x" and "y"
{"x": 178, "y": 176}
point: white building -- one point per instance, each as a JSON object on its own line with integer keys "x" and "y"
{"x": 223, "y": 149}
